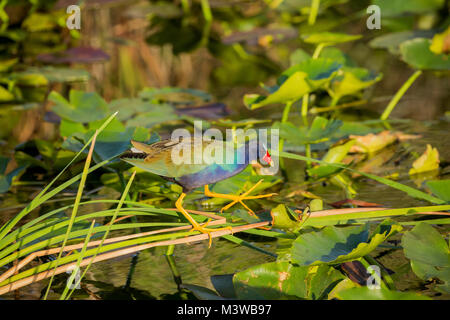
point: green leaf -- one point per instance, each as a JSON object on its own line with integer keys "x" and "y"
{"x": 275, "y": 280}
{"x": 295, "y": 82}
{"x": 334, "y": 155}
{"x": 353, "y": 81}
{"x": 391, "y": 8}
{"x": 283, "y": 280}
{"x": 364, "y": 293}
{"x": 6, "y": 95}
{"x": 60, "y": 74}
{"x": 285, "y": 219}
{"x": 320, "y": 130}
{"x": 68, "y": 128}
{"x": 392, "y": 41}
{"x": 111, "y": 142}
{"x": 417, "y": 53}
{"x": 337, "y": 55}
{"x": 428, "y": 161}
{"x": 6, "y": 179}
{"x": 440, "y": 188}
{"x": 334, "y": 245}
{"x": 174, "y": 95}
{"x": 81, "y": 107}
{"x": 429, "y": 254}
{"x": 202, "y": 293}
{"x": 330, "y": 38}
{"x": 29, "y": 79}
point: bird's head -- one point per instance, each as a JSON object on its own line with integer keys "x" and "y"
{"x": 265, "y": 159}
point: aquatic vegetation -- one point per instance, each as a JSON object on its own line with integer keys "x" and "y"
{"x": 358, "y": 183}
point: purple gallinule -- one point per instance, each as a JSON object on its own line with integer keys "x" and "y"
{"x": 161, "y": 158}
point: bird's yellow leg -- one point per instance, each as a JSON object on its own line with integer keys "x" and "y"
{"x": 195, "y": 225}
{"x": 237, "y": 198}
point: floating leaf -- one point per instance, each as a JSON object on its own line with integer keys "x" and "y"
{"x": 320, "y": 130}
{"x": 353, "y": 81}
{"x": 417, "y": 53}
{"x": 275, "y": 280}
{"x": 440, "y": 188}
{"x": 330, "y": 38}
{"x": 81, "y": 107}
{"x": 283, "y": 280}
{"x": 6, "y": 179}
{"x": 392, "y": 41}
{"x": 29, "y": 79}
{"x": 334, "y": 155}
{"x": 364, "y": 293}
{"x": 429, "y": 254}
{"x": 336, "y": 245}
{"x": 391, "y": 8}
{"x": 295, "y": 82}
{"x": 428, "y": 161}
{"x": 285, "y": 219}
{"x": 441, "y": 42}
{"x": 371, "y": 143}
{"x": 6, "y": 95}
{"x": 202, "y": 293}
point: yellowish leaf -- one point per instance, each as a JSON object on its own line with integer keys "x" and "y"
{"x": 428, "y": 161}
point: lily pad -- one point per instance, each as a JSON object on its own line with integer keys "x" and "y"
{"x": 275, "y": 280}
{"x": 81, "y": 107}
{"x": 440, "y": 188}
{"x": 334, "y": 245}
{"x": 428, "y": 161}
{"x": 391, "y": 8}
{"x": 429, "y": 254}
{"x": 353, "y": 81}
{"x": 392, "y": 41}
{"x": 283, "y": 280}
{"x": 320, "y": 130}
{"x": 364, "y": 293}
{"x": 6, "y": 179}
{"x": 441, "y": 42}
{"x": 295, "y": 82}
{"x": 418, "y": 54}
{"x": 112, "y": 141}
{"x": 334, "y": 155}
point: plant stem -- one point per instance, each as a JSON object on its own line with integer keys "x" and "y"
{"x": 287, "y": 109}
{"x": 315, "y": 4}
{"x": 318, "y": 50}
{"x": 308, "y": 154}
{"x": 206, "y": 9}
{"x": 284, "y": 119}
{"x": 186, "y": 6}
{"x": 305, "y": 103}
{"x": 400, "y": 94}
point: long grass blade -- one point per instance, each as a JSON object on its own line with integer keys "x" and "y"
{"x": 75, "y": 207}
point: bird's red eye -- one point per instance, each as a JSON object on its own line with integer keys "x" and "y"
{"x": 267, "y": 157}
